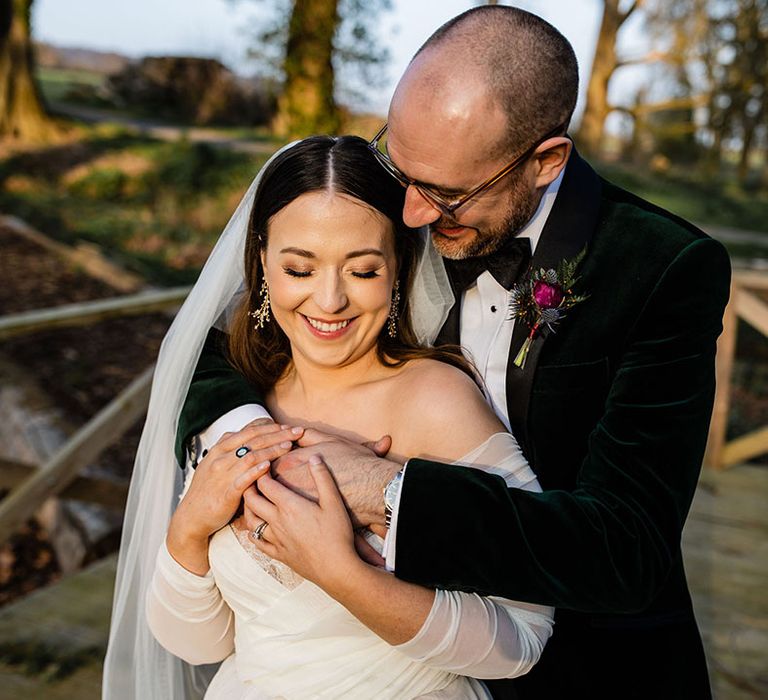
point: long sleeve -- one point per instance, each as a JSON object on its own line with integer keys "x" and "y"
{"x": 609, "y": 544}
{"x": 481, "y": 637}
{"x": 485, "y": 637}
{"x": 187, "y": 614}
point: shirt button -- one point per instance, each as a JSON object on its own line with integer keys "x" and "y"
{"x": 493, "y": 309}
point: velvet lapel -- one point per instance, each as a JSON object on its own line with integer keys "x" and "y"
{"x": 568, "y": 229}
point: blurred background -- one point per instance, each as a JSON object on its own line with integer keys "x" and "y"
{"x": 129, "y": 132}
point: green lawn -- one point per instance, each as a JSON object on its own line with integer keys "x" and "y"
{"x": 60, "y": 85}
{"x": 688, "y": 195}
{"x": 154, "y": 206}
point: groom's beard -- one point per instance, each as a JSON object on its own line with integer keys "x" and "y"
{"x": 521, "y": 206}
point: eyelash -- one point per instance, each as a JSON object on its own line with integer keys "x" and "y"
{"x": 304, "y": 274}
{"x": 295, "y": 273}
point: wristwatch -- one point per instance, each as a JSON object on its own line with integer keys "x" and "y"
{"x": 391, "y": 491}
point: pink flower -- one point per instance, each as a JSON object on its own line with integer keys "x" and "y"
{"x": 547, "y": 296}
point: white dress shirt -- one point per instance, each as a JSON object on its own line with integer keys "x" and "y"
{"x": 486, "y": 326}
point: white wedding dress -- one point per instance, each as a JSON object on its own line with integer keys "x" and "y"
{"x": 283, "y": 638}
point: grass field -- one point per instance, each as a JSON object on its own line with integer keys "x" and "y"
{"x": 154, "y": 206}
{"x": 688, "y": 195}
{"x": 58, "y": 85}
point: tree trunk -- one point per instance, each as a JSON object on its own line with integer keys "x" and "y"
{"x": 307, "y": 105}
{"x": 22, "y": 115}
{"x": 604, "y": 65}
{"x": 742, "y": 171}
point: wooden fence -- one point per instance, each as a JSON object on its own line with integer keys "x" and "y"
{"x": 60, "y": 474}
{"x": 745, "y": 305}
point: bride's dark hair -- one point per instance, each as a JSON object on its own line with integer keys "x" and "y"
{"x": 343, "y": 165}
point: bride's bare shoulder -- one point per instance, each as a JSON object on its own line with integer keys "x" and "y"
{"x": 434, "y": 378}
{"x": 442, "y": 412}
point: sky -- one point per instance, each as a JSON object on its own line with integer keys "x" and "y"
{"x": 221, "y": 28}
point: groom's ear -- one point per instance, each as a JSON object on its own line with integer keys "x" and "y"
{"x": 551, "y": 160}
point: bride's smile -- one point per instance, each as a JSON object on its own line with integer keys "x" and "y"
{"x": 330, "y": 266}
{"x": 328, "y": 329}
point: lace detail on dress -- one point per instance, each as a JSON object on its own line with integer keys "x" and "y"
{"x": 277, "y": 570}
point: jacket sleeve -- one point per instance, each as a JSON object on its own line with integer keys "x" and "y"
{"x": 609, "y": 544}
{"x": 216, "y": 389}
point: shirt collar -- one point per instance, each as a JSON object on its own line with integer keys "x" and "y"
{"x": 535, "y": 226}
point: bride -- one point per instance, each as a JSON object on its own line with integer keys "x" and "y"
{"x": 332, "y": 319}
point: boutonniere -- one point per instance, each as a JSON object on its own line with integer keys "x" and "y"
{"x": 541, "y": 299}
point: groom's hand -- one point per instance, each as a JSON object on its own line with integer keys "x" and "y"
{"x": 360, "y": 472}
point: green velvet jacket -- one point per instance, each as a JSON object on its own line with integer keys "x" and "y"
{"x": 612, "y": 411}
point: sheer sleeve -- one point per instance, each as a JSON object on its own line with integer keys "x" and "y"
{"x": 187, "y": 614}
{"x": 485, "y": 637}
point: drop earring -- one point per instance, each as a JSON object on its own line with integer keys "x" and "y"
{"x": 394, "y": 310}
{"x": 261, "y": 314}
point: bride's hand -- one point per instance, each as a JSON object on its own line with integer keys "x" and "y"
{"x": 314, "y": 538}
{"x": 216, "y": 490}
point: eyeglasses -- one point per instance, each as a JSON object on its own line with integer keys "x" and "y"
{"x": 446, "y": 206}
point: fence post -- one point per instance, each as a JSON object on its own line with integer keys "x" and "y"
{"x": 726, "y": 349}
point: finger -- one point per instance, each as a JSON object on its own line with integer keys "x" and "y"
{"x": 258, "y": 505}
{"x": 367, "y": 553}
{"x": 313, "y": 436}
{"x": 235, "y": 466}
{"x": 258, "y": 436}
{"x": 252, "y": 521}
{"x": 265, "y": 435}
{"x": 266, "y": 547}
{"x": 381, "y": 446}
{"x": 327, "y": 491}
{"x": 227, "y": 440}
{"x": 272, "y": 445}
{"x": 277, "y": 493}
{"x": 264, "y": 420}
{"x": 272, "y": 452}
{"x": 250, "y": 475}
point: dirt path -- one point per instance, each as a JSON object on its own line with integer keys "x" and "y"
{"x": 167, "y": 132}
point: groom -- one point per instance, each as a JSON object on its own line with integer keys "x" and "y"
{"x": 611, "y": 405}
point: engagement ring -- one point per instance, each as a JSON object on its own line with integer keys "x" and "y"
{"x": 258, "y": 533}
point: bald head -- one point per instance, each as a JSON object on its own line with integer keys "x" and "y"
{"x": 495, "y": 59}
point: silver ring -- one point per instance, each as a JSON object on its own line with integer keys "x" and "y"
{"x": 242, "y": 451}
{"x": 258, "y": 533}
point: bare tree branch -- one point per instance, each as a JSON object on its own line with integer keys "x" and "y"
{"x": 624, "y": 16}
{"x": 650, "y": 57}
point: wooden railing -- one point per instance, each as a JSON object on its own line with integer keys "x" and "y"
{"x": 60, "y": 474}
{"x": 745, "y": 305}
{"x": 89, "y": 312}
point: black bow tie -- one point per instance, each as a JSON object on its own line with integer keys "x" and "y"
{"x": 506, "y": 264}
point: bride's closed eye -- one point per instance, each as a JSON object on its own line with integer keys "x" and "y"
{"x": 296, "y": 273}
